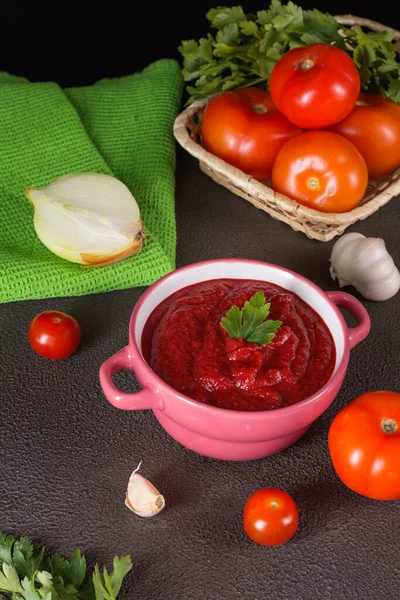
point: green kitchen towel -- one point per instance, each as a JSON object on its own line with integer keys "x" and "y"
{"x": 122, "y": 127}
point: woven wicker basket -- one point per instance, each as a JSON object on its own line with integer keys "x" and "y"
{"x": 315, "y": 224}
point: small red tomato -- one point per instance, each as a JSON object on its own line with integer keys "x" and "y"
{"x": 373, "y": 126}
{"x": 54, "y": 334}
{"x": 315, "y": 86}
{"x": 270, "y": 517}
{"x": 244, "y": 128}
{"x": 364, "y": 445}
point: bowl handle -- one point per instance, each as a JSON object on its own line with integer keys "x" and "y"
{"x": 146, "y": 398}
{"x": 355, "y": 308}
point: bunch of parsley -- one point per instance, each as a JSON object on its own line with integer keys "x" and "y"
{"x": 246, "y": 47}
{"x": 26, "y": 573}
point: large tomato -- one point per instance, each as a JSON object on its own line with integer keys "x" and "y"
{"x": 321, "y": 170}
{"x": 270, "y": 517}
{"x": 244, "y": 128}
{"x": 373, "y": 126}
{"x": 315, "y": 86}
{"x": 364, "y": 444}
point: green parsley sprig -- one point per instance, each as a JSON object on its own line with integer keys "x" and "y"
{"x": 27, "y": 573}
{"x": 249, "y": 323}
{"x": 246, "y": 47}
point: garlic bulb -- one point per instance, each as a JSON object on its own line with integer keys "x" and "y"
{"x": 87, "y": 218}
{"x": 365, "y": 264}
{"x": 142, "y": 498}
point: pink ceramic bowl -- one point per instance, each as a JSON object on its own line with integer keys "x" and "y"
{"x": 217, "y": 432}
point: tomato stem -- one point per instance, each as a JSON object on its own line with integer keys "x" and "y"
{"x": 260, "y": 109}
{"x": 312, "y": 183}
{"x": 274, "y": 505}
{"x": 307, "y": 64}
{"x": 389, "y": 426}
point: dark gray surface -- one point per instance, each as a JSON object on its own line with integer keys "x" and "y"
{"x": 67, "y": 454}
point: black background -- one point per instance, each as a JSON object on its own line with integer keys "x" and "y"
{"x": 79, "y": 43}
{"x": 66, "y": 454}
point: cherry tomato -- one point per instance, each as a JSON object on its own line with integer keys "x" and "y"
{"x": 364, "y": 445}
{"x": 373, "y": 126}
{"x": 315, "y": 86}
{"x": 321, "y": 170}
{"x": 270, "y": 517}
{"x": 54, "y": 334}
{"x": 244, "y": 128}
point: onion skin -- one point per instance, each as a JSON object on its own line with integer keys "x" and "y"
{"x": 90, "y": 260}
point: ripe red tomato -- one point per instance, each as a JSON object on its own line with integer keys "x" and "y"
{"x": 315, "y": 86}
{"x": 244, "y": 128}
{"x": 364, "y": 444}
{"x": 373, "y": 126}
{"x": 321, "y": 170}
{"x": 54, "y": 334}
{"x": 270, "y": 517}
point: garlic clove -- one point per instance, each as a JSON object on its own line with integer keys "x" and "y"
{"x": 142, "y": 497}
{"x": 341, "y": 269}
{"x": 365, "y": 264}
{"x": 87, "y": 218}
{"x": 366, "y": 254}
{"x": 377, "y": 291}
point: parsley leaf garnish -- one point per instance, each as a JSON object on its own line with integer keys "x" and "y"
{"x": 246, "y": 47}
{"x": 249, "y": 323}
{"x": 26, "y": 573}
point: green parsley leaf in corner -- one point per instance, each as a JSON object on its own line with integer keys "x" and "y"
{"x": 249, "y": 323}
{"x": 27, "y": 573}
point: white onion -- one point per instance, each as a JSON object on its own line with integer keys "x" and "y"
{"x": 87, "y": 218}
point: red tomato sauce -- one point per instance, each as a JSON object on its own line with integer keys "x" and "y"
{"x": 184, "y": 343}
